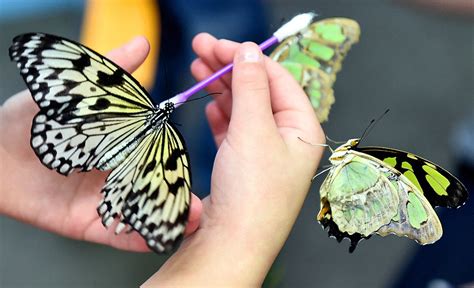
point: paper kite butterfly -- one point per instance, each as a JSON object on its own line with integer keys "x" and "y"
{"x": 93, "y": 114}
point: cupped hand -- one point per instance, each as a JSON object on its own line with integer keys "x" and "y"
{"x": 36, "y": 195}
{"x": 261, "y": 164}
{"x": 262, "y": 170}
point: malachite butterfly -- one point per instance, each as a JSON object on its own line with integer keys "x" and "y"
{"x": 385, "y": 191}
{"x": 314, "y": 57}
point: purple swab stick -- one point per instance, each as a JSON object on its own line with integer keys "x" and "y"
{"x": 294, "y": 26}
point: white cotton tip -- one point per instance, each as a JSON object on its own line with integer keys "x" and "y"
{"x": 295, "y": 25}
{"x": 177, "y": 100}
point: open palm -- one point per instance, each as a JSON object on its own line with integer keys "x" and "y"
{"x": 65, "y": 205}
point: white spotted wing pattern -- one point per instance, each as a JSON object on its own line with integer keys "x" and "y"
{"x": 93, "y": 114}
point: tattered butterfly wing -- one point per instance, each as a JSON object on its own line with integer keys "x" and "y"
{"x": 161, "y": 195}
{"x": 315, "y": 56}
{"x": 151, "y": 190}
{"x": 416, "y": 218}
{"x": 363, "y": 195}
{"x": 359, "y": 204}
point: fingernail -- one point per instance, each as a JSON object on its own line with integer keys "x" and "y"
{"x": 249, "y": 52}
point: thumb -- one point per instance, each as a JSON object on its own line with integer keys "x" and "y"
{"x": 251, "y": 105}
{"x": 131, "y": 55}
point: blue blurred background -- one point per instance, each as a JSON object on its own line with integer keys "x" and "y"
{"x": 415, "y": 61}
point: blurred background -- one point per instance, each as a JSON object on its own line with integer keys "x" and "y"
{"x": 414, "y": 57}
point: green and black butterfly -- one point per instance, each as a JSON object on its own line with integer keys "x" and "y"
{"x": 314, "y": 57}
{"x": 385, "y": 191}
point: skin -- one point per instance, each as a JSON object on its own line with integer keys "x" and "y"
{"x": 262, "y": 171}
{"x": 261, "y": 175}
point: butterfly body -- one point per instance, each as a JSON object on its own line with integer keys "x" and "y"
{"x": 153, "y": 122}
{"x": 363, "y": 195}
{"x": 92, "y": 115}
{"x": 314, "y": 57}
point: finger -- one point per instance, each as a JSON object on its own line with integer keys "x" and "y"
{"x": 291, "y": 107}
{"x": 215, "y": 53}
{"x": 195, "y": 212}
{"x": 251, "y": 106}
{"x": 218, "y": 121}
{"x": 280, "y": 80}
{"x": 203, "y": 45}
{"x": 131, "y": 55}
{"x": 286, "y": 94}
{"x": 201, "y": 71}
{"x": 224, "y": 52}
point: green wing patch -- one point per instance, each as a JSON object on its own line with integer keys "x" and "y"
{"x": 439, "y": 186}
{"x": 314, "y": 57}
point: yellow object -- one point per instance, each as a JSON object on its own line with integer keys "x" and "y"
{"x": 111, "y": 23}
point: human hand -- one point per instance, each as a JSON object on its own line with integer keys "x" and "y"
{"x": 262, "y": 171}
{"x": 41, "y": 197}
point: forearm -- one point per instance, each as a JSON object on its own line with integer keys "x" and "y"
{"x": 9, "y": 148}
{"x": 21, "y": 174}
{"x": 6, "y": 189}
{"x": 13, "y": 174}
{"x": 216, "y": 259}
{"x": 237, "y": 253}
{"x": 15, "y": 178}
{"x": 5, "y": 198}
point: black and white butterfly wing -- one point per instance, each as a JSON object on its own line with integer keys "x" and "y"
{"x": 93, "y": 114}
{"x": 151, "y": 190}
{"x": 88, "y": 105}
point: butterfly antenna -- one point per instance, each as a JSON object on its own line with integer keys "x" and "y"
{"x": 318, "y": 144}
{"x": 322, "y": 172}
{"x": 366, "y": 130}
{"x": 371, "y": 125}
{"x": 199, "y": 98}
{"x": 333, "y": 141}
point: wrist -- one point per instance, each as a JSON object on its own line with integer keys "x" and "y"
{"x": 9, "y": 184}
{"x": 4, "y": 166}
{"x": 216, "y": 257}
